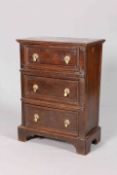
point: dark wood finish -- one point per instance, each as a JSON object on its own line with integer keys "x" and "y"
{"x": 60, "y": 41}
{"x": 51, "y": 55}
{"x": 81, "y": 75}
{"x": 51, "y": 89}
{"x": 50, "y": 119}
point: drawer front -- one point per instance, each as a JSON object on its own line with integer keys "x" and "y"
{"x": 41, "y": 118}
{"x": 40, "y": 56}
{"x": 50, "y": 89}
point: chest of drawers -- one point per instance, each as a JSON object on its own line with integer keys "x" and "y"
{"x": 60, "y": 85}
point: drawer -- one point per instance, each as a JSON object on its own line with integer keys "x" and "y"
{"x": 63, "y": 91}
{"x": 42, "y": 118}
{"x": 50, "y": 56}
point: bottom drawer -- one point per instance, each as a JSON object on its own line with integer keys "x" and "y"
{"x": 42, "y": 118}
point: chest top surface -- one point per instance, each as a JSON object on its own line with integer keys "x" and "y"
{"x": 60, "y": 40}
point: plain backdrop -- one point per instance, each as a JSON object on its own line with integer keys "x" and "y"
{"x": 67, "y": 18}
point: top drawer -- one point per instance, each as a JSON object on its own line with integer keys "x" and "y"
{"x": 36, "y": 56}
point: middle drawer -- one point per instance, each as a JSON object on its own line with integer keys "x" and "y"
{"x": 65, "y": 91}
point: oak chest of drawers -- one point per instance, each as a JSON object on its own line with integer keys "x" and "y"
{"x": 60, "y": 85}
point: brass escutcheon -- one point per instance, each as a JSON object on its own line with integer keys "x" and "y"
{"x": 66, "y": 123}
{"x": 36, "y": 118}
{"x": 35, "y": 57}
{"x": 67, "y": 59}
{"x": 35, "y": 88}
{"x": 66, "y": 92}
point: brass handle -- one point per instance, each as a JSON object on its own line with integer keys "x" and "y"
{"x": 67, "y": 59}
{"x": 66, "y": 123}
{"x": 35, "y": 57}
{"x": 66, "y": 92}
{"x": 35, "y": 88}
{"x": 36, "y": 118}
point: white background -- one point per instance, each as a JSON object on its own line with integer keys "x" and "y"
{"x": 67, "y": 18}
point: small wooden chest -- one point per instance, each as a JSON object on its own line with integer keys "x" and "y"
{"x": 60, "y": 85}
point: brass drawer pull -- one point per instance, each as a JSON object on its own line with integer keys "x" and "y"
{"x": 36, "y": 118}
{"x": 66, "y": 92}
{"x": 35, "y": 57}
{"x": 66, "y": 123}
{"x": 35, "y": 88}
{"x": 67, "y": 59}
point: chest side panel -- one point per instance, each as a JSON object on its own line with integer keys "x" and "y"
{"x": 93, "y": 75}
